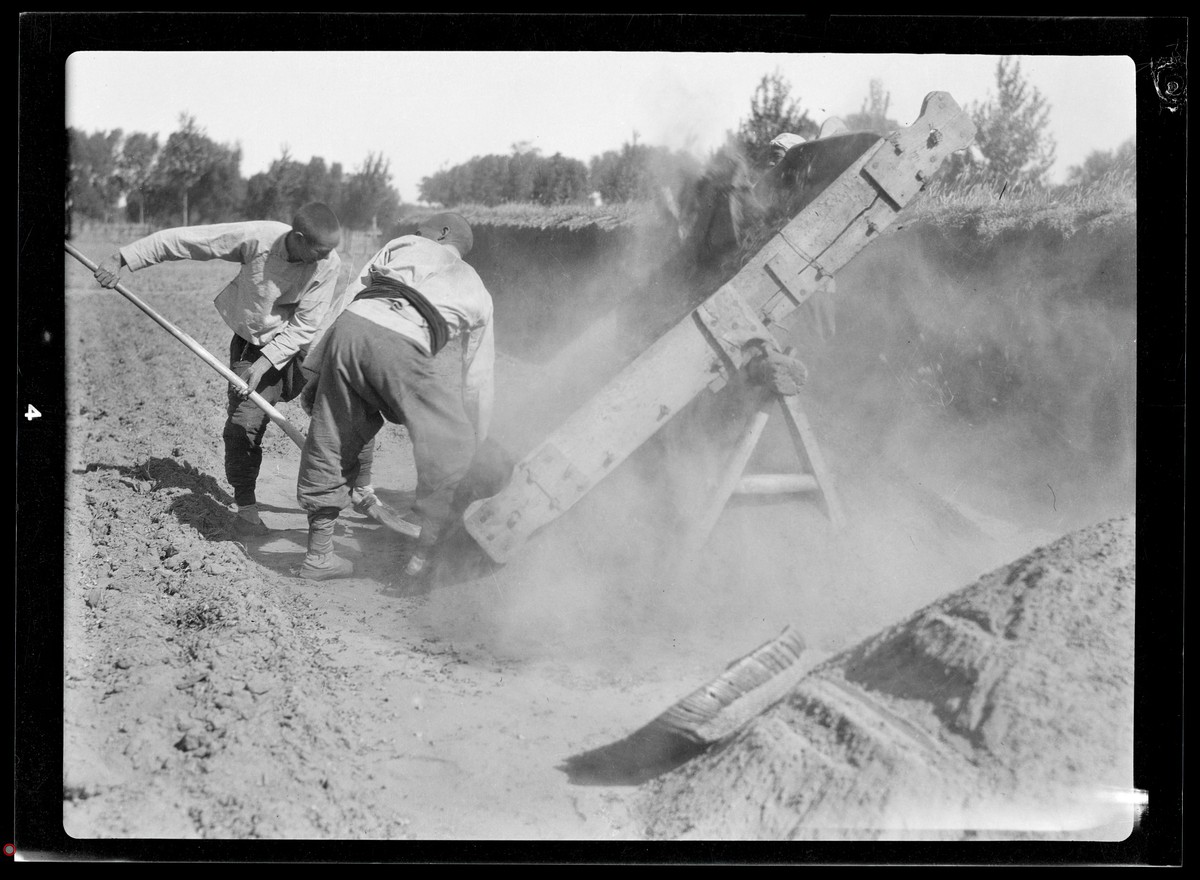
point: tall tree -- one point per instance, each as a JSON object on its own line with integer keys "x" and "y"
{"x": 637, "y": 171}
{"x": 221, "y": 190}
{"x": 93, "y": 185}
{"x": 184, "y": 160}
{"x": 560, "y": 180}
{"x": 524, "y": 176}
{"x": 1012, "y": 128}
{"x": 622, "y": 176}
{"x": 773, "y": 111}
{"x": 320, "y": 183}
{"x": 873, "y": 115}
{"x": 135, "y": 168}
{"x": 1101, "y": 163}
{"x": 274, "y": 193}
{"x": 522, "y": 168}
{"x": 368, "y": 195}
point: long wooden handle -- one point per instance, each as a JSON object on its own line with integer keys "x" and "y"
{"x": 200, "y": 351}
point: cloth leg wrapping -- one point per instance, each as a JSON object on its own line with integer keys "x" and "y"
{"x": 320, "y": 530}
{"x": 246, "y": 423}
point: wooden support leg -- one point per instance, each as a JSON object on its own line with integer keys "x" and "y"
{"x": 810, "y": 455}
{"x": 730, "y": 476}
{"x": 776, "y": 484}
{"x": 734, "y": 480}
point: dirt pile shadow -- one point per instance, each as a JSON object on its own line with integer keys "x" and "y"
{"x": 644, "y": 754}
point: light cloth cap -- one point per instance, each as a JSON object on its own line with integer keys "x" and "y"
{"x": 787, "y": 140}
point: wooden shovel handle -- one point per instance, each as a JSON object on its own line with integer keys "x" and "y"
{"x": 200, "y": 351}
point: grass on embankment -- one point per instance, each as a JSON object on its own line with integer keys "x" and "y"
{"x": 988, "y": 207}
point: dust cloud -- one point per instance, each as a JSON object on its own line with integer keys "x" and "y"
{"x": 975, "y": 400}
{"x": 599, "y": 575}
{"x": 1002, "y": 376}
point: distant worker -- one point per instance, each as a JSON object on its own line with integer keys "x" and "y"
{"x": 377, "y": 363}
{"x": 716, "y": 210}
{"x": 274, "y": 305}
{"x": 781, "y": 143}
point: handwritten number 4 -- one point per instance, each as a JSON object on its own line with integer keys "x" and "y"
{"x": 32, "y": 413}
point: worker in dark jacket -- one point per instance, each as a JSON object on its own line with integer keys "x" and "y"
{"x": 376, "y": 363}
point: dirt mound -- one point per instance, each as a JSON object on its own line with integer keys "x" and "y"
{"x": 1003, "y": 711}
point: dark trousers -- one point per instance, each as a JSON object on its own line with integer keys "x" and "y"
{"x": 371, "y": 375}
{"x": 246, "y": 424}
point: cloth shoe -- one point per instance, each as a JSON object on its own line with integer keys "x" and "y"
{"x": 325, "y": 566}
{"x": 248, "y": 524}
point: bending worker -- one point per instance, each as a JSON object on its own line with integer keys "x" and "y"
{"x": 377, "y": 363}
{"x": 274, "y": 305}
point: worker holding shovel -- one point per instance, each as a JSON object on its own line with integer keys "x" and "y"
{"x": 274, "y": 305}
{"x": 376, "y": 364}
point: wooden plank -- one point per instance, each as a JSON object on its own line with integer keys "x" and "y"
{"x": 785, "y": 269}
{"x": 810, "y": 454}
{"x": 730, "y": 476}
{"x": 746, "y": 688}
{"x": 906, "y": 172}
{"x": 822, "y": 238}
{"x": 599, "y": 436}
{"x": 776, "y": 484}
{"x": 731, "y": 326}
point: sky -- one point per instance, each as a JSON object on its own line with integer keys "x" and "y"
{"x": 426, "y": 111}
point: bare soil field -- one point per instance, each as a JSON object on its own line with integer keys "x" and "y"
{"x": 210, "y": 694}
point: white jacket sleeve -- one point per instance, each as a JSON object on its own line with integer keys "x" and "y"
{"x": 478, "y": 382}
{"x": 310, "y": 316}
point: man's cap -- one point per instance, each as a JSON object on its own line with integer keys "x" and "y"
{"x": 787, "y": 140}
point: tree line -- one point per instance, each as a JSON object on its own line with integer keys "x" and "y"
{"x": 192, "y": 179}
{"x": 628, "y": 174}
